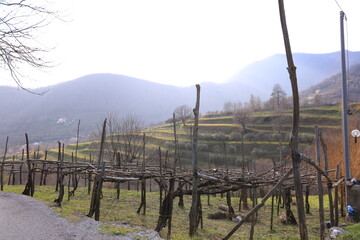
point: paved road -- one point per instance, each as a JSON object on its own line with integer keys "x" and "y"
{"x": 24, "y": 218}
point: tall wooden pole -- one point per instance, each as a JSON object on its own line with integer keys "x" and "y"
{"x": 295, "y": 155}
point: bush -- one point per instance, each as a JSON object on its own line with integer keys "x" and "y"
{"x": 235, "y": 136}
{"x": 216, "y": 148}
{"x": 220, "y": 137}
{"x": 259, "y": 153}
{"x": 249, "y": 137}
{"x": 188, "y": 146}
{"x": 169, "y": 144}
{"x": 202, "y": 147}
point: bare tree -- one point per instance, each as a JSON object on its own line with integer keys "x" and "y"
{"x": 183, "y": 113}
{"x": 255, "y": 103}
{"x": 20, "y": 20}
{"x": 242, "y": 117}
{"x": 131, "y": 137}
{"x": 113, "y": 129}
{"x": 124, "y": 137}
{"x": 279, "y": 96}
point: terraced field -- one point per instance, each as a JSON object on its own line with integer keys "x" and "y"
{"x": 267, "y": 132}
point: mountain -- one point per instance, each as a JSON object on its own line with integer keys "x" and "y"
{"x": 54, "y": 116}
{"x": 330, "y": 89}
{"x": 311, "y": 69}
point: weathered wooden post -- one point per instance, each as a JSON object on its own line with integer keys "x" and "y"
{"x": 29, "y": 188}
{"x": 320, "y": 187}
{"x": 60, "y": 177}
{"x": 329, "y": 184}
{"x": 77, "y": 141}
{"x": 195, "y": 206}
{"x": 58, "y": 167}
{"x": 98, "y": 181}
{"x": 143, "y": 182}
{"x": 295, "y": 155}
{"x": 3, "y": 166}
{"x": 336, "y": 197}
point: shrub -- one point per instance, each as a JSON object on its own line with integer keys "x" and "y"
{"x": 202, "y": 147}
{"x": 220, "y": 136}
{"x": 235, "y": 136}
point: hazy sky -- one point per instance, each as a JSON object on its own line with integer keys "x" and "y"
{"x": 185, "y": 42}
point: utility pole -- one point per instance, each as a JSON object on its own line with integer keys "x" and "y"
{"x": 344, "y": 107}
{"x": 344, "y": 101}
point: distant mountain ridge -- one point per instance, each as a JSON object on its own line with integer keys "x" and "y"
{"x": 91, "y": 97}
{"x": 311, "y": 69}
{"x": 330, "y": 89}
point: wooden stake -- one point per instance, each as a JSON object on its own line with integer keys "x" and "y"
{"x": 320, "y": 187}
{"x": 194, "y": 211}
{"x": 295, "y": 126}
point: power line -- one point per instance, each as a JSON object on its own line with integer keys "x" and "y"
{"x": 339, "y": 6}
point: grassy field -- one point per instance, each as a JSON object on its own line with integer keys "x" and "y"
{"x": 124, "y": 209}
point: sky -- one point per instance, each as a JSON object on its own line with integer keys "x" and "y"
{"x": 185, "y": 42}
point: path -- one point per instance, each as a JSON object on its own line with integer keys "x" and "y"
{"x": 24, "y": 218}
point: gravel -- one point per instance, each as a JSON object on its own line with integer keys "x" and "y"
{"x": 24, "y": 218}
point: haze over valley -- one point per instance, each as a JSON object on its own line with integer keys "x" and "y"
{"x": 90, "y": 98}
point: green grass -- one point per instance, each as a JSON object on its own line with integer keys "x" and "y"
{"x": 353, "y": 232}
{"x": 124, "y": 209}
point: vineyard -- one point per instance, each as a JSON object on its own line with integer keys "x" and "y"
{"x": 236, "y": 171}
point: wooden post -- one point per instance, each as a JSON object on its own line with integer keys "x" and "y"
{"x": 42, "y": 174}
{"x": 118, "y": 161}
{"x": 61, "y": 177}
{"x": 98, "y": 192}
{"x": 336, "y": 198}
{"x": 58, "y": 167}
{"x": 20, "y": 174}
{"x": 11, "y": 174}
{"x": 176, "y": 154}
{"x": 320, "y": 187}
{"x": 103, "y": 135}
{"x": 77, "y": 141}
{"x": 143, "y": 182}
{"x": 3, "y": 165}
{"x": 194, "y": 211}
{"x": 29, "y": 188}
{"x": 295, "y": 126}
{"x": 329, "y": 184}
{"x": 170, "y": 208}
{"x": 290, "y": 219}
{"x": 161, "y": 180}
{"x": 307, "y": 194}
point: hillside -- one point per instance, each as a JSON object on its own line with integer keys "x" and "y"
{"x": 262, "y": 140}
{"x": 91, "y": 98}
{"x": 330, "y": 89}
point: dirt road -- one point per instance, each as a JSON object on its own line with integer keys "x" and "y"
{"x": 24, "y": 218}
